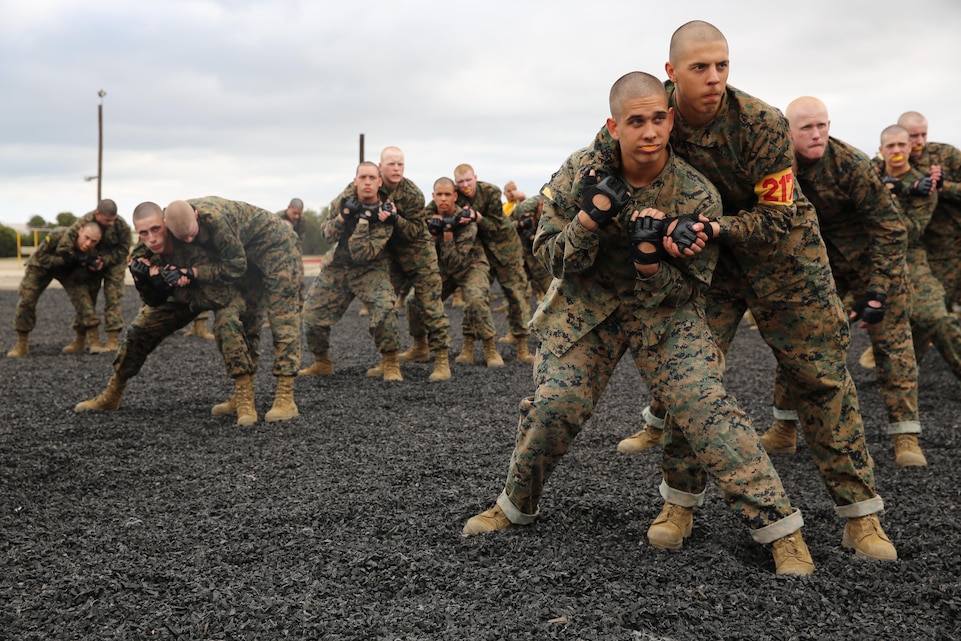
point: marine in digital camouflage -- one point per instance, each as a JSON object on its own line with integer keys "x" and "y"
{"x": 463, "y": 264}
{"x": 166, "y": 310}
{"x": 359, "y": 266}
{"x": 598, "y": 307}
{"x": 504, "y": 252}
{"x": 530, "y": 210}
{"x": 413, "y": 260}
{"x": 773, "y": 262}
{"x": 114, "y": 247}
{"x": 55, "y": 260}
{"x": 866, "y": 241}
{"x": 931, "y": 321}
{"x": 245, "y": 238}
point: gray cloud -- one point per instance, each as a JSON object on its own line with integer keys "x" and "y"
{"x": 263, "y": 101}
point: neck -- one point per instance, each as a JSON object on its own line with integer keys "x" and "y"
{"x": 897, "y": 172}
{"x": 643, "y": 175}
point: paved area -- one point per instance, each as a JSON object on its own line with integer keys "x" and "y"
{"x": 11, "y": 271}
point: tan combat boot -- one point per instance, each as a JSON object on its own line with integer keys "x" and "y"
{"x": 907, "y": 451}
{"x": 671, "y": 527}
{"x": 93, "y": 340}
{"x": 78, "y": 344}
{"x": 377, "y": 371}
{"x": 113, "y": 341}
{"x": 457, "y": 300}
{"x": 22, "y": 348}
{"x": 244, "y": 399}
{"x": 781, "y": 438}
{"x": 321, "y": 367}
{"x": 867, "y": 359}
{"x": 523, "y": 351}
{"x": 109, "y": 399}
{"x": 419, "y": 352}
{"x": 392, "y": 367}
{"x": 284, "y": 407}
{"x": 199, "y": 329}
{"x": 441, "y": 366}
{"x": 865, "y": 536}
{"x": 507, "y": 339}
{"x": 226, "y": 408}
{"x": 467, "y": 351}
{"x": 491, "y": 356}
{"x": 791, "y": 555}
{"x": 645, "y": 439}
{"x": 492, "y": 520}
{"x": 363, "y": 310}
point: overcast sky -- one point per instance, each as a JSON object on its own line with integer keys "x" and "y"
{"x": 263, "y": 101}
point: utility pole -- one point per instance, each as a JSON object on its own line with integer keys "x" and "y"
{"x": 361, "y": 149}
{"x": 100, "y": 93}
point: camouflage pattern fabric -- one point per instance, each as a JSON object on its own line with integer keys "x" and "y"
{"x": 504, "y": 252}
{"x": 114, "y": 247}
{"x": 774, "y": 262}
{"x": 942, "y": 238}
{"x": 866, "y": 242}
{"x": 597, "y": 308}
{"x": 463, "y": 263}
{"x": 299, "y": 227}
{"x": 236, "y": 327}
{"x": 413, "y": 260}
{"x": 537, "y": 275}
{"x": 55, "y": 261}
{"x": 358, "y": 267}
{"x": 245, "y": 236}
{"x": 931, "y": 321}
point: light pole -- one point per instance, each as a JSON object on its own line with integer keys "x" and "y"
{"x": 100, "y": 93}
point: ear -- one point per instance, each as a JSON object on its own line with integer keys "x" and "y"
{"x": 669, "y": 68}
{"x": 612, "y": 128}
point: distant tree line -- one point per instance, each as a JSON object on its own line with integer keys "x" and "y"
{"x": 314, "y": 242}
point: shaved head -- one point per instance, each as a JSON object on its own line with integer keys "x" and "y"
{"x": 181, "y": 218}
{"x": 804, "y": 105}
{"x": 696, "y": 31}
{"x": 893, "y": 130}
{"x": 636, "y": 84}
{"x": 145, "y": 210}
{"x": 912, "y": 118}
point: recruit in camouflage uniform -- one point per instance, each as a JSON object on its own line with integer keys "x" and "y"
{"x": 526, "y": 215}
{"x": 773, "y": 262}
{"x": 942, "y": 237}
{"x": 866, "y": 242}
{"x": 294, "y": 215}
{"x": 249, "y": 238}
{"x": 75, "y": 266}
{"x": 359, "y": 266}
{"x": 504, "y": 252}
{"x": 463, "y": 263}
{"x": 114, "y": 247}
{"x": 413, "y": 265}
{"x": 930, "y": 317}
{"x": 601, "y": 304}
{"x": 169, "y": 307}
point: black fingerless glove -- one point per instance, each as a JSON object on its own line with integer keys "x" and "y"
{"x": 646, "y": 229}
{"x": 866, "y": 313}
{"x": 615, "y": 191}
{"x": 683, "y": 233}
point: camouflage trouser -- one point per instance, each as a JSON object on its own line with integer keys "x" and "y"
{"x": 35, "y": 282}
{"x": 475, "y": 287}
{"x": 685, "y": 368}
{"x": 153, "y": 324}
{"x": 282, "y": 273}
{"x": 426, "y": 283}
{"x": 897, "y": 368}
{"x": 237, "y": 326}
{"x": 331, "y": 295}
{"x": 806, "y": 326}
{"x": 513, "y": 281}
{"x": 945, "y": 263}
{"x": 930, "y": 319}
{"x": 537, "y": 274}
{"x": 113, "y": 287}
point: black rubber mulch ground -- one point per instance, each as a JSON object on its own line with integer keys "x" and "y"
{"x": 161, "y": 522}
